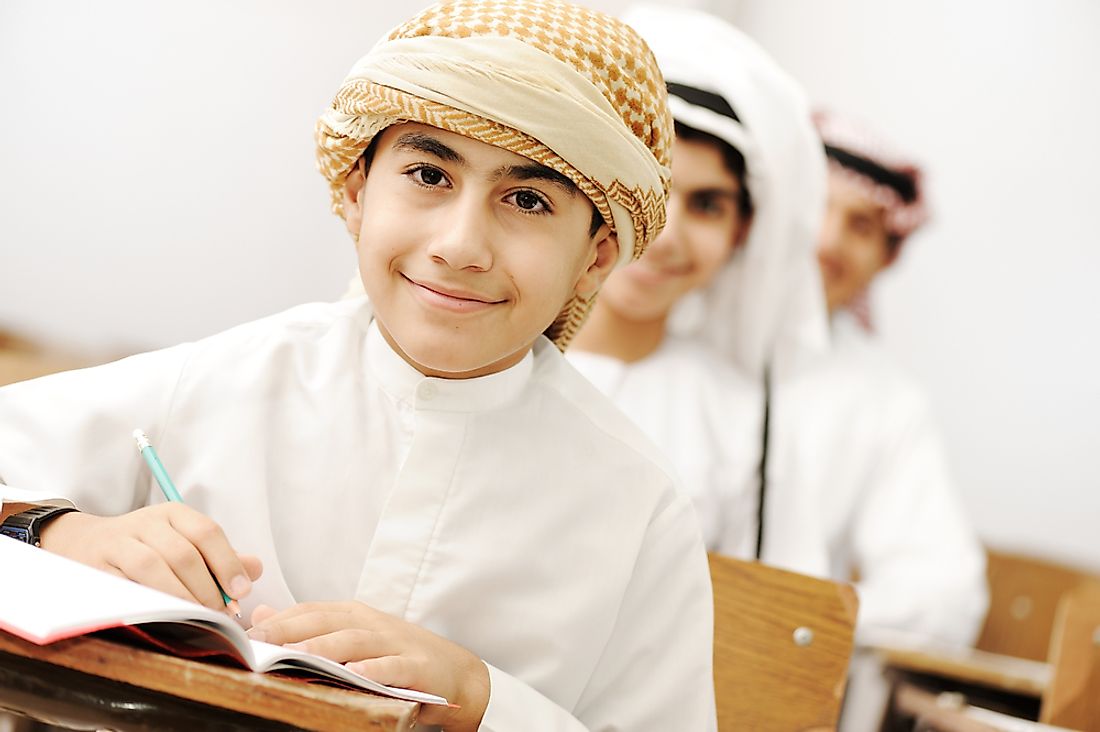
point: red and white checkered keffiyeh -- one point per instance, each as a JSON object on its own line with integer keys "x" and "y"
{"x": 843, "y": 138}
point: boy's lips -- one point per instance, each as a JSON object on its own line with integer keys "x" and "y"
{"x": 451, "y": 298}
{"x": 831, "y": 267}
{"x": 651, "y": 276}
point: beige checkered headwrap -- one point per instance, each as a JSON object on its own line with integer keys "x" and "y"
{"x": 570, "y": 88}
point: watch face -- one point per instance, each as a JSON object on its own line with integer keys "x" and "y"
{"x": 18, "y": 533}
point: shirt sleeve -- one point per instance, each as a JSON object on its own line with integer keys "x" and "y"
{"x": 922, "y": 568}
{"x": 66, "y": 438}
{"x": 515, "y": 705}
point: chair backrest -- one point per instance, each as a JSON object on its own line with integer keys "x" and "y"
{"x": 781, "y": 647}
{"x": 1073, "y": 697}
{"x": 21, "y": 359}
{"x": 1023, "y": 597}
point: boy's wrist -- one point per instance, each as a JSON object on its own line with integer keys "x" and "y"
{"x": 474, "y": 700}
{"x": 27, "y": 525}
{"x": 51, "y": 533}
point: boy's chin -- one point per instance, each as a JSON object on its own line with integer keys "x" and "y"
{"x": 453, "y": 363}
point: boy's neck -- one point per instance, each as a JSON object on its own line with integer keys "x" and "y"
{"x": 608, "y": 333}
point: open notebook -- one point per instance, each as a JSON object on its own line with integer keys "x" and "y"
{"x": 62, "y": 599}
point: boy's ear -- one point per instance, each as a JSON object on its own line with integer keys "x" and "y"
{"x": 602, "y": 259}
{"x": 353, "y": 195}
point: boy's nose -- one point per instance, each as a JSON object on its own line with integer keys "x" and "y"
{"x": 828, "y": 237}
{"x": 462, "y": 238}
{"x": 669, "y": 242}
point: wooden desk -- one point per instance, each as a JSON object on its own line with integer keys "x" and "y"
{"x": 1003, "y": 673}
{"x": 88, "y": 682}
{"x": 949, "y": 713}
{"x": 1004, "y": 684}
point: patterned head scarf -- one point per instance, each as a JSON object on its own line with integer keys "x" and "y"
{"x": 884, "y": 175}
{"x": 765, "y": 308}
{"x": 570, "y": 88}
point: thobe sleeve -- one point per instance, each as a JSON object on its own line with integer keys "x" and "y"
{"x": 922, "y": 568}
{"x": 66, "y": 438}
{"x": 655, "y": 673}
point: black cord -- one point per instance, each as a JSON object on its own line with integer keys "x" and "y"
{"x": 763, "y": 464}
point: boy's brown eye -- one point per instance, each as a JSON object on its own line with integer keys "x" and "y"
{"x": 527, "y": 200}
{"x": 431, "y": 176}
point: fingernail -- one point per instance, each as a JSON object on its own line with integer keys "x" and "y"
{"x": 239, "y": 586}
{"x": 257, "y": 634}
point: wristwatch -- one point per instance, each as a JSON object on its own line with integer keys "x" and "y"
{"x": 26, "y": 526}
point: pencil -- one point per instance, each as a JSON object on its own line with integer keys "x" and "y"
{"x": 168, "y": 488}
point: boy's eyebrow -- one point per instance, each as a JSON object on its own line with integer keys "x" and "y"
{"x": 420, "y": 142}
{"x": 715, "y": 191}
{"x": 535, "y": 171}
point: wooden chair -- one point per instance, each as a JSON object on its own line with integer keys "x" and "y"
{"x": 21, "y": 359}
{"x": 1023, "y": 597}
{"x": 781, "y": 647}
{"x": 1073, "y": 697}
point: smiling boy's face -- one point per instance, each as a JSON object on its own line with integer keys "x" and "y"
{"x": 468, "y": 252}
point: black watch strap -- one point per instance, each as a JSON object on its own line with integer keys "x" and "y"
{"x": 26, "y": 526}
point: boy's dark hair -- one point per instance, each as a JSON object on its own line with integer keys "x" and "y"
{"x": 731, "y": 156}
{"x": 597, "y": 219}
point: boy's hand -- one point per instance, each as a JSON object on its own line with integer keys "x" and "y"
{"x": 387, "y": 650}
{"x": 170, "y": 547}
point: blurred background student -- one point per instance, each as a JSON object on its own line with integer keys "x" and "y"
{"x": 861, "y": 431}
{"x": 684, "y": 339}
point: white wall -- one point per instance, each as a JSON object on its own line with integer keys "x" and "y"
{"x": 157, "y": 184}
{"x": 996, "y": 306}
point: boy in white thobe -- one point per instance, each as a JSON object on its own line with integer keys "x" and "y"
{"x": 887, "y": 497}
{"x": 435, "y": 496}
{"x": 860, "y": 428}
{"x": 748, "y": 186}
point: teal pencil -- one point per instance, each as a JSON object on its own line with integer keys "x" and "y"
{"x": 168, "y": 488}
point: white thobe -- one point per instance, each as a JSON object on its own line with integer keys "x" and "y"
{"x": 857, "y": 477}
{"x": 706, "y": 419}
{"x": 517, "y": 514}
{"x": 860, "y": 432}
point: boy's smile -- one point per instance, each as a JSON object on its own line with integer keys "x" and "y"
{"x": 455, "y": 299}
{"x": 468, "y": 251}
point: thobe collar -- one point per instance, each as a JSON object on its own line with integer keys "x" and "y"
{"x": 404, "y": 383}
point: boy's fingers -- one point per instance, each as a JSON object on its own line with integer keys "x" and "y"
{"x": 187, "y": 563}
{"x": 141, "y": 564}
{"x": 262, "y": 613}
{"x": 306, "y": 608}
{"x": 217, "y": 553}
{"x": 288, "y": 628}
{"x": 350, "y": 644}
{"x": 388, "y": 670}
{"x": 253, "y": 567}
